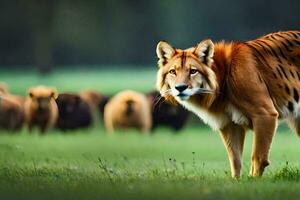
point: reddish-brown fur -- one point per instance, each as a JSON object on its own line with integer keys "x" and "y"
{"x": 244, "y": 85}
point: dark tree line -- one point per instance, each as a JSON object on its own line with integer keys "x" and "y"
{"x": 44, "y": 33}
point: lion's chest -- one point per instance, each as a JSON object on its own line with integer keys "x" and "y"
{"x": 217, "y": 120}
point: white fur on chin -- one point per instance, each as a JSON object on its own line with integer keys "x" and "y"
{"x": 216, "y": 122}
{"x": 219, "y": 120}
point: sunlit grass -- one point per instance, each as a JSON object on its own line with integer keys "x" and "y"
{"x": 91, "y": 164}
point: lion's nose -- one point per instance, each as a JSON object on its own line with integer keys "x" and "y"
{"x": 181, "y": 87}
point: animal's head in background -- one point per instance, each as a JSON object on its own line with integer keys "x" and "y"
{"x": 41, "y": 97}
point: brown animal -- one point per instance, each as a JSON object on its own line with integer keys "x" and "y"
{"x": 11, "y": 112}
{"x": 12, "y": 115}
{"x": 40, "y": 108}
{"x": 96, "y": 101}
{"x": 127, "y": 109}
{"x": 237, "y": 86}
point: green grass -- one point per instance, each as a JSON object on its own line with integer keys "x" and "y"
{"x": 89, "y": 164}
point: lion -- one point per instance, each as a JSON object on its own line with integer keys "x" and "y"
{"x": 237, "y": 86}
{"x": 128, "y": 109}
{"x": 40, "y": 108}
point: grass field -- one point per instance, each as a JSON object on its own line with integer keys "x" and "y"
{"x": 108, "y": 80}
{"x": 89, "y": 164}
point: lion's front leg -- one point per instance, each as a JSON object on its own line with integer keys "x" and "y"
{"x": 264, "y": 128}
{"x": 233, "y": 137}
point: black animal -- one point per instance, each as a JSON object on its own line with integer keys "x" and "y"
{"x": 74, "y": 112}
{"x": 165, "y": 114}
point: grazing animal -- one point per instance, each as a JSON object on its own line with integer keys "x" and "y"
{"x": 237, "y": 86}
{"x": 40, "y": 108}
{"x": 166, "y": 114}
{"x": 12, "y": 115}
{"x": 74, "y": 112}
{"x": 127, "y": 109}
{"x": 96, "y": 100}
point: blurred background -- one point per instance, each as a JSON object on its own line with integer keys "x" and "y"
{"x": 44, "y": 34}
{"x": 109, "y": 45}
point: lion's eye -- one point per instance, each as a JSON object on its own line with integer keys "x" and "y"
{"x": 193, "y": 71}
{"x": 172, "y": 71}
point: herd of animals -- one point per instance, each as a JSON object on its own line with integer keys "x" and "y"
{"x": 232, "y": 87}
{"x": 43, "y": 108}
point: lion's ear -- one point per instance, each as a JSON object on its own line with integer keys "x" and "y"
{"x": 164, "y": 52}
{"x": 205, "y": 52}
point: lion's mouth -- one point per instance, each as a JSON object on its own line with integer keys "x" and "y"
{"x": 183, "y": 97}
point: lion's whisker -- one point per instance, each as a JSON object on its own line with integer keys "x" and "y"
{"x": 159, "y": 98}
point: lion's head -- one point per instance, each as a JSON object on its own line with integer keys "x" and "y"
{"x": 184, "y": 74}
